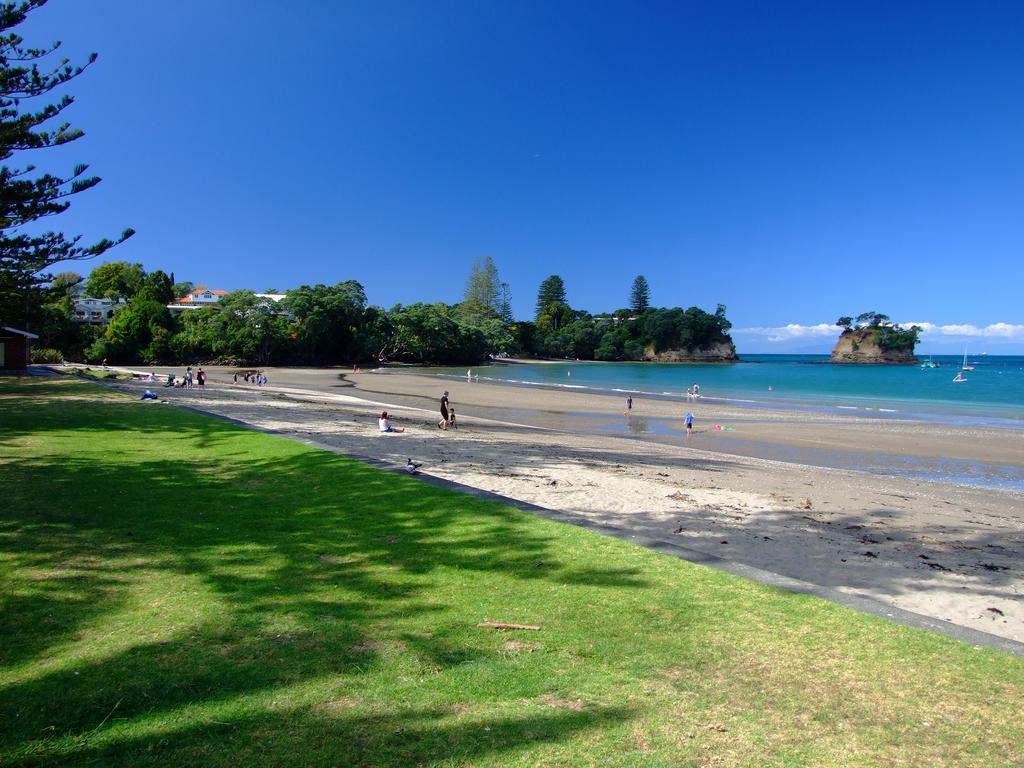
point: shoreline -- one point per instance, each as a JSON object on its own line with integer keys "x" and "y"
{"x": 777, "y": 430}
{"x": 779, "y": 404}
{"x": 938, "y": 549}
{"x": 944, "y": 408}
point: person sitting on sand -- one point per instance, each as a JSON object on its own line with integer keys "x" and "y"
{"x": 384, "y": 423}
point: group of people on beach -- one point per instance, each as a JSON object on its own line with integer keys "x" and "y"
{"x": 253, "y": 377}
{"x": 688, "y": 419}
{"x": 447, "y": 413}
{"x": 189, "y": 380}
{"x": 446, "y": 422}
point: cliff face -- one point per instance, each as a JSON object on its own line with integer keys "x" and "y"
{"x": 723, "y": 352}
{"x": 859, "y": 346}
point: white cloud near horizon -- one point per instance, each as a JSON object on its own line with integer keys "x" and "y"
{"x": 796, "y": 331}
{"x": 993, "y": 330}
{"x": 792, "y": 331}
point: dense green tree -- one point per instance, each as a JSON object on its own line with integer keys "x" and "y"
{"x": 496, "y": 332}
{"x": 250, "y": 329}
{"x": 376, "y": 331}
{"x": 524, "y": 335}
{"x": 196, "y": 335}
{"x": 55, "y": 324}
{"x": 141, "y": 332}
{"x": 115, "y": 280}
{"x": 157, "y": 286}
{"x": 721, "y": 322}
{"x": 612, "y": 344}
{"x": 662, "y": 329}
{"x": 896, "y": 337}
{"x": 66, "y": 286}
{"x": 430, "y": 333}
{"x": 329, "y": 321}
{"x": 551, "y": 291}
{"x": 505, "y": 305}
{"x": 845, "y": 322}
{"x": 585, "y": 336}
{"x": 872, "y": 318}
{"x": 26, "y": 251}
{"x": 554, "y": 316}
{"x": 640, "y": 295}
{"x": 484, "y": 286}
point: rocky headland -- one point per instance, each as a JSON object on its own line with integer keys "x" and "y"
{"x": 722, "y": 352}
{"x": 862, "y": 345}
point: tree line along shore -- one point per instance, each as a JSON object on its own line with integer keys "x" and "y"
{"x": 149, "y": 322}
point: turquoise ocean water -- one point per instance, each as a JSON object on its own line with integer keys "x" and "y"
{"x": 993, "y": 394}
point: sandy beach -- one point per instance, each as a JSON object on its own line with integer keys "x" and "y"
{"x": 945, "y": 550}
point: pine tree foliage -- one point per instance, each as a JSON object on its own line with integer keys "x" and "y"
{"x": 551, "y": 291}
{"x": 640, "y": 295}
{"x": 505, "y": 305}
{"x": 484, "y": 286}
{"x": 25, "y": 253}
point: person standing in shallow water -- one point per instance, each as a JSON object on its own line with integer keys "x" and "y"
{"x": 443, "y": 423}
{"x": 689, "y": 422}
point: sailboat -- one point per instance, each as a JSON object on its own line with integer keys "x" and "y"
{"x": 959, "y": 377}
{"x": 965, "y": 366}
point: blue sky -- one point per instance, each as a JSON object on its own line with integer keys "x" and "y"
{"x": 794, "y": 161}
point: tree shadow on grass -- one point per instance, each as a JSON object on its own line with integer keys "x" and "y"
{"x": 309, "y": 561}
{"x": 338, "y": 733}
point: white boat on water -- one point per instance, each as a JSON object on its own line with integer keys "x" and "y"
{"x": 965, "y": 366}
{"x": 959, "y": 377}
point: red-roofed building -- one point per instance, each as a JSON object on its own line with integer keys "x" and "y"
{"x": 197, "y": 299}
{"x": 202, "y": 296}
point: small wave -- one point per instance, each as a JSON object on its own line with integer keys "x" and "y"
{"x": 848, "y": 407}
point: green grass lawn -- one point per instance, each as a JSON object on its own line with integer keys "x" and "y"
{"x": 177, "y": 591}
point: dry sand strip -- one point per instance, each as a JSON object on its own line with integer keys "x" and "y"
{"x": 946, "y": 552}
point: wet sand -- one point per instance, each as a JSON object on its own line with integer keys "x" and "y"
{"x": 944, "y": 550}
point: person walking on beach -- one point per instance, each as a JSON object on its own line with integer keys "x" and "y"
{"x": 629, "y": 402}
{"x": 443, "y": 423}
{"x": 201, "y": 376}
{"x": 689, "y": 423}
{"x": 451, "y": 417}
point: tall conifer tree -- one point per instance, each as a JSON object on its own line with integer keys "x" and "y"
{"x": 640, "y": 295}
{"x": 484, "y": 286}
{"x": 551, "y": 291}
{"x": 24, "y": 198}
